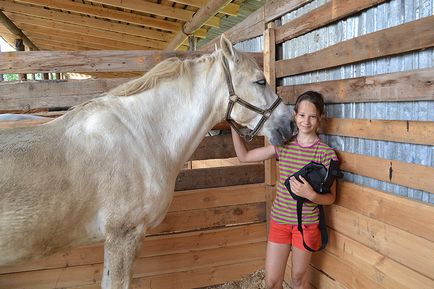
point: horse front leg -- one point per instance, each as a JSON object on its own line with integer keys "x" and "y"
{"x": 120, "y": 249}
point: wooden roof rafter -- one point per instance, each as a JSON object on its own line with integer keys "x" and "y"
{"x": 140, "y": 24}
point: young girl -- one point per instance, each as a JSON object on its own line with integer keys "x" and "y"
{"x": 283, "y": 235}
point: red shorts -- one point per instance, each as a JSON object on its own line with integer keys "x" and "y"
{"x": 289, "y": 234}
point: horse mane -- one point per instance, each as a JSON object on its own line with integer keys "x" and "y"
{"x": 168, "y": 69}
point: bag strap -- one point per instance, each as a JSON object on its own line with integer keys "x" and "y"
{"x": 322, "y": 226}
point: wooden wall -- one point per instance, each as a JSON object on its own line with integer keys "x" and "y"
{"x": 216, "y": 226}
{"x": 377, "y": 239}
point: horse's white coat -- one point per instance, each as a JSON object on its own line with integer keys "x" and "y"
{"x": 106, "y": 171}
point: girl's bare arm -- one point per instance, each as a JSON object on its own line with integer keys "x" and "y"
{"x": 254, "y": 155}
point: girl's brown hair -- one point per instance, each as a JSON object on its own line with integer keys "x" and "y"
{"x": 314, "y": 97}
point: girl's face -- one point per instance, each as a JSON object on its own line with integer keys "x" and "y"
{"x": 307, "y": 118}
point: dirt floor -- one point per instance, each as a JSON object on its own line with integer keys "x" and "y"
{"x": 253, "y": 281}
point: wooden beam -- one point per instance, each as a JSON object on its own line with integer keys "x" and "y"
{"x": 86, "y": 61}
{"x": 388, "y": 170}
{"x": 277, "y": 8}
{"x": 410, "y": 85}
{"x": 16, "y": 31}
{"x": 252, "y": 26}
{"x": 90, "y": 22}
{"x": 55, "y": 35}
{"x": 404, "y": 131}
{"x": 325, "y": 14}
{"x": 106, "y": 13}
{"x": 270, "y": 75}
{"x": 82, "y": 30}
{"x": 230, "y": 9}
{"x": 157, "y": 9}
{"x": 199, "y": 18}
{"x": 92, "y": 61}
{"x": 411, "y": 36}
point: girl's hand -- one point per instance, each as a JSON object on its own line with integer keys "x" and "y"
{"x": 302, "y": 189}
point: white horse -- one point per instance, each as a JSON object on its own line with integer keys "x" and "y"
{"x": 106, "y": 170}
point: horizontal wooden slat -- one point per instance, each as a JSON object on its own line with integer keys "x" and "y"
{"x": 415, "y": 132}
{"x": 29, "y": 95}
{"x": 220, "y": 177}
{"x": 400, "y": 86}
{"x": 217, "y": 197}
{"x": 91, "y": 61}
{"x": 404, "y": 213}
{"x": 350, "y": 262}
{"x": 221, "y": 146}
{"x": 151, "y": 246}
{"x": 158, "y": 265}
{"x": 193, "y": 278}
{"x": 182, "y": 221}
{"x": 402, "y": 38}
{"x": 325, "y": 14}
{"x": 405, "y": 248}
{"x": 392, "y": 171}
{"x": 276, "y": 8}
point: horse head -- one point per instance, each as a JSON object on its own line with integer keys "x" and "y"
{"x": 252, "y": 103}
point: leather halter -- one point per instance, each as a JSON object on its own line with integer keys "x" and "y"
{"x": 233, "y": 98}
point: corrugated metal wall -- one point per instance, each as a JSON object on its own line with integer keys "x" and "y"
{"x": 383, "y": 16}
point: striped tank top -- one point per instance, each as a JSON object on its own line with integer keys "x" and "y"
{"x": 292, "y": 157}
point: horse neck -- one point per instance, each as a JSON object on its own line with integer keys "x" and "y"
{"x": 181, "y": 120}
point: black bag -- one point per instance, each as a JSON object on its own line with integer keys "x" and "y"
{"x": 321, "y": 180}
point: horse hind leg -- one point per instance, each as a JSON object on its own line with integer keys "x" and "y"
{"x": 120, "y": 249}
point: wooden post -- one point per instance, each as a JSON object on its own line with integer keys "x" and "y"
{"x": 19, "y": 46}
{"x": 270, "y": 75}
{"x": 199, "y": 18}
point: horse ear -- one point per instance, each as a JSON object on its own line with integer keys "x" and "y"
{"x": 228, "y": 49}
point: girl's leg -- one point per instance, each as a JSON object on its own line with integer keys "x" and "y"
{"x": 300, "y": 263}
{"x": 275, "y": 264}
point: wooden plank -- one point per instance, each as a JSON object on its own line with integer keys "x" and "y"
{"x": 195, "y": 278}
{"x": 342, "y": 272}
{"x": 151, "y": 246}
{"x": 182, "y": 221}
{"x": 216, "y": 197}
{"x": 220, "y": 177}
{"x": 402, "y": 38}
{"x": 251, "y": 27}
{"x": 404, "y": 213}
{"x": 400, "y": 86}
{"x": 86, "y": 61}
{"x": 221, "y": 146}
{"x": 277, "y": 8}
{"x": 404, "y": 131}
{"x": 270, "y": 75}
{"x": 405, "y": 248}
{"x": 92, "y": 61}
{"x": 375, "y": 268}
{"x": 29, "y": 95}
{"x": 317, "y": 278}
{"x": 329, "y": 12}
{"x": 143, "y": 267}
{"x": 391, "y": 171}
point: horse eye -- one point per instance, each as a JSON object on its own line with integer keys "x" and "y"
{"x": 261, "y": 82}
